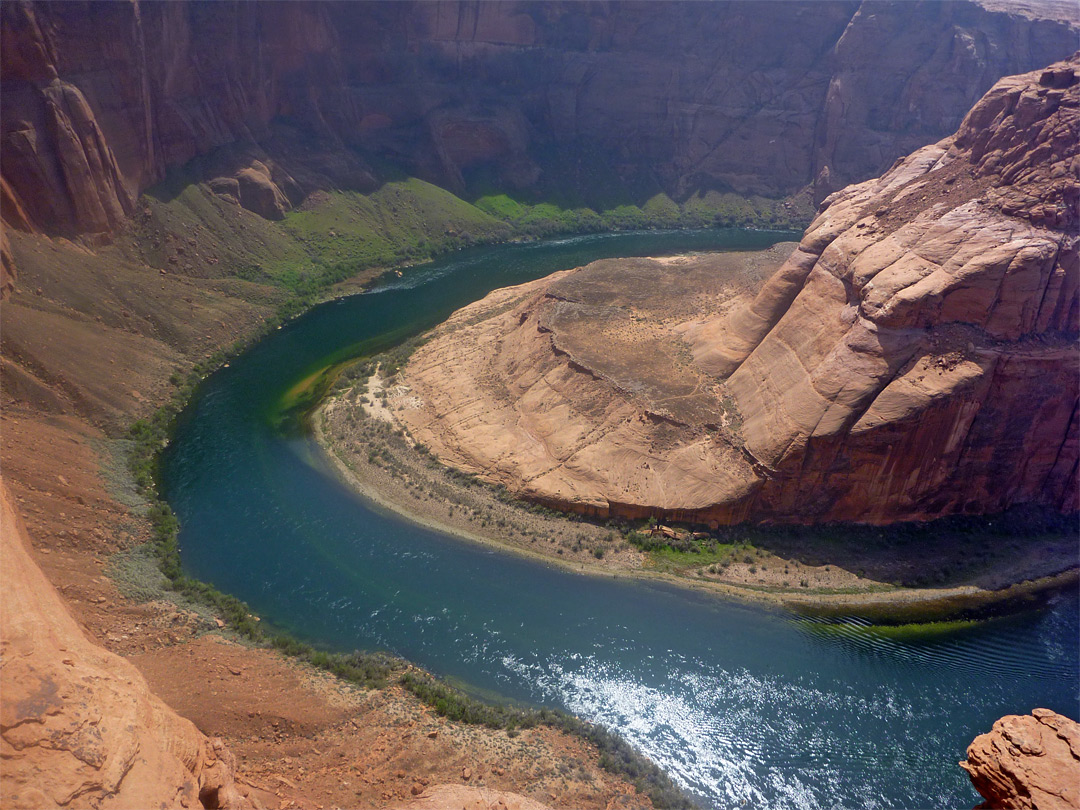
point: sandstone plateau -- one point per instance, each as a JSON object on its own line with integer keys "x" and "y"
{"x": 914, "y": 356}
{"x": 1027, "y": 762}
{"x": 595, "y": 101}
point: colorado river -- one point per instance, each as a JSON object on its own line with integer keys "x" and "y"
{"x": 742, "y": 706}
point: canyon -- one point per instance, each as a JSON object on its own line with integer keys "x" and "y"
{"x": 875, "y": 376}
{"x": 258, "y": 109}
{"x": 274, "y": 101}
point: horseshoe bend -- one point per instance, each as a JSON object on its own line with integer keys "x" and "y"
{"x": 913, "y": 356}
{"x": 195, "y": 613}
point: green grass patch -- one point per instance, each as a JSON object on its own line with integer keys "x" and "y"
{"x": 402, "y": 221}
{"x": 501, "y": 206}
{"x": 910, "y": 632}
{"x": 923, "y": 630}
{"x": 705, "y": 553}
{"x": 708, "y": 210}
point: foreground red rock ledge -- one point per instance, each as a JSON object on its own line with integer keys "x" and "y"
{"x": 915, "y": 356}
{"x": 1028, "y": 762}
{"x": 80, "y": 727}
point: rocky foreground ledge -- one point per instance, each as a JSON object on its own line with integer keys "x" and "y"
{"x": 915, "y": 356}
{"x": 80, "y": 726}
{"x": 1027, "y": 762}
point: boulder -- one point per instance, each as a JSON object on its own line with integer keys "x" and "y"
{"x": 1027, "y": 762}
{"x": 258, "y": 192}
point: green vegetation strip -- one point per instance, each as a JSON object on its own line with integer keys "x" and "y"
{"x": 368, "y": 669}
{"x": 616, "y": 755}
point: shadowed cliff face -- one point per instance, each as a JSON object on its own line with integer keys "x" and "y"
{"x": 572, "y": 100}
{"x": 914, "y": 356}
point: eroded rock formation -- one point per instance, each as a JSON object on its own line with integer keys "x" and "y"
{"x": 102, "y": 100}
{"x": 1027, "y": 762}
{"x": 79, "y": 725}
{"x": 914, "y": 356}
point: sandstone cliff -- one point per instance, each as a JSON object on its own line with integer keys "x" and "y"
{"x": 1027, "y": 762}
{"x": 101, "y": 100}
{"x": 914, "y": 356}
{"x": 80, "y": 727}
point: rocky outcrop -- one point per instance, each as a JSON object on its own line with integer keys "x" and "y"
{"x": 102, "y": 101}
{"x": 79, "y": 725}
{"x": 1027, "y": 762}
{"x": 927, "y": 364}
{"x": 257, "y": 192}
{"x": 914, "y": 356}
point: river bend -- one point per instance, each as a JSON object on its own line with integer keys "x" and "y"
{"x": 743, "y": 706}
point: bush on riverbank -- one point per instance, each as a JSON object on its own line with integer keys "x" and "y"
{"x": 366, "y": 669}
{"x": 616, "y": 755}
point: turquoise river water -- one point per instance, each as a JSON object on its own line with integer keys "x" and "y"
{"x": 743, "y": 706}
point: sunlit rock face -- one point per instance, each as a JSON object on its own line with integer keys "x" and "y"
{"x": 914, "y": 356}
{"x": 1027, "y": 761}
{"x": 101, "y": 100}
{"x": 80, "y": 725}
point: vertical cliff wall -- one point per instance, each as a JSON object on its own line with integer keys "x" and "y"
{"x": 917, "y": 354}
{"x": 569, "y": 99}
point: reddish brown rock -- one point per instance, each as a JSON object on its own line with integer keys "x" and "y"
{"x": 440, "y": 797}
{"x": 914, "y": 357}
{"x": 257, "y": 192}
{"x": 927, "y": 365}
{"x": 1027, "y": 762}
{"x": 79, "y": 726}
{"x": 8, "y": 273}
{"x": 100, "y": 101}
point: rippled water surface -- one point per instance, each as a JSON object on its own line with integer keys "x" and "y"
{"x": 743, "y": 706}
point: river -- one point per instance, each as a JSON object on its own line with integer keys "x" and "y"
{"x": 743, "y": 706}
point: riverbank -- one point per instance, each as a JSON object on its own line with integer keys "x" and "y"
{"x": 115, "y": 356}
{"x": 903, "y": 574}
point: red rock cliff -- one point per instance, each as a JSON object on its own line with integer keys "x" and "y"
{"x": 915, "y": 356}
{"x": 100, "y": 100}
{"x": 79, "y": 725}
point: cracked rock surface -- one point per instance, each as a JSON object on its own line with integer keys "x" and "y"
{"x": 1027, "y": 762}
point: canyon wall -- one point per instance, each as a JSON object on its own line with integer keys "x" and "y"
{"x": 917, "y": 354}
{"x": 577, "y": 101}
{"x": 914, "y": 356}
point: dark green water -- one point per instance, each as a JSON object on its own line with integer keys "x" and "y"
{"x": 743, "y": 706}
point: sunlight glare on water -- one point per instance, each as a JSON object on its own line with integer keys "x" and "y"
{"x": 744, "y": 707}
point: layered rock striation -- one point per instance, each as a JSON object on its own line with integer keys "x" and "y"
{"x": 915, "y": 356}
{"x": 1026, "y": 762}
{"x": 101, "y": 101}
